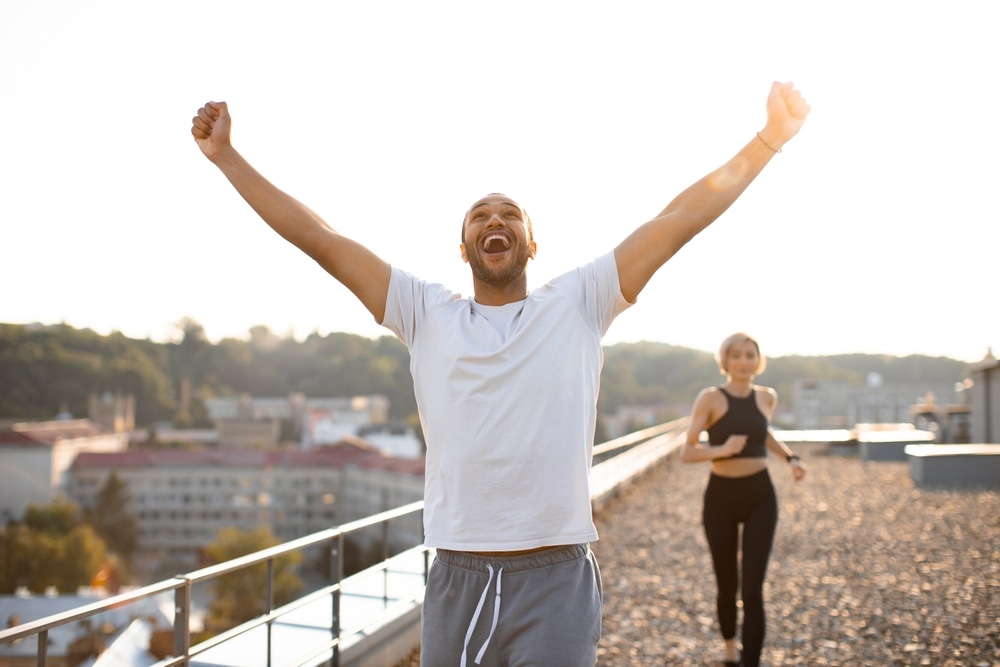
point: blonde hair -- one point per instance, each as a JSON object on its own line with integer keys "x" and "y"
{"x": 736, "y": 339}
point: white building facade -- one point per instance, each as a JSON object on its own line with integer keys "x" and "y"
{"x": 183, "y": 498}
{"x": 35, "y": 459}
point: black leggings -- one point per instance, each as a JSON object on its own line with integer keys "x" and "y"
{"x": 730, "y": 501}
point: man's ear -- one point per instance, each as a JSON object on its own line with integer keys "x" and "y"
{"x": 465, "y": 258}
{"x": 532, "y": 249}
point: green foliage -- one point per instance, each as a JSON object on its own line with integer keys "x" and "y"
{"x": 83, "y": 554}
{"x": 110, "y": 519}
{"x": 50, "y": 548}
{"x": 46, "y": 367}
{"x": 659, "y": 374}
{"x": 241, "y": 595}
{"x": 653, "y": 374}
{"x": 57, "y": 518}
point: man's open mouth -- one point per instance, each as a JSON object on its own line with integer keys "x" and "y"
{"x": 494, "y": 243}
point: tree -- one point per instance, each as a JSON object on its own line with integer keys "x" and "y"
{"x": 41, "y": 557}
{"x": 81, "y": 554}
{"x": 57, "y": 518}
{"x": 15, "y": 554}
{"x": 46, "y": 368}
{"x": 111, "y": 520}
{"x": 241, "y": 595}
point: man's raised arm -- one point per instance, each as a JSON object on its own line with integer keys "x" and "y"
{"x": 651, "y": 245}
{"x": 359, "y": 269}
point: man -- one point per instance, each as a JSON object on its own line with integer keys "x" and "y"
{"x": 506, "y": 385}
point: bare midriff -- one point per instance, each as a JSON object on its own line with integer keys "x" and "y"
{"x": 739, "y": 467}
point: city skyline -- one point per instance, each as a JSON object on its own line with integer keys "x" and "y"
{"x": 872, "y": 232}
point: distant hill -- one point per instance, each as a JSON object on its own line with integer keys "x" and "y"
{"x": 46, "y": 369}
{"x": 648, "y": 373}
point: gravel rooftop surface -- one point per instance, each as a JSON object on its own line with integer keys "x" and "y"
{"x": 867, "y": 570}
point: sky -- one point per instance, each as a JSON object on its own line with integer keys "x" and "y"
{"x": 874, "y": 231}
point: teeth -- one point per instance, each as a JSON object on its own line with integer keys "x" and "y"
{"x": 496, "y": 237}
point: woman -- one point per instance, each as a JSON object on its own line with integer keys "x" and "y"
{"x": 737, "y": 417}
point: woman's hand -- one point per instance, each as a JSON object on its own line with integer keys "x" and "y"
{"x": 734, "y": 445}
{"x": 798, "y": 469}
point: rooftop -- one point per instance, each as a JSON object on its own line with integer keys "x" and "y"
{"x": 49, "y": 433}
{"x": 867, "y": 569}
{"x": 349, "y": 451}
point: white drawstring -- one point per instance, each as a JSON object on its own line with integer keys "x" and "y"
{"x": 475, "y": 617}
{"x": 496, "y": 615}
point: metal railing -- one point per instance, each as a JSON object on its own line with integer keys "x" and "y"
{"x": 672, "y": 428}
{"x": 637, "y": 451}
{"x": 181, "y": 586}
{"x": 628, "y": 457}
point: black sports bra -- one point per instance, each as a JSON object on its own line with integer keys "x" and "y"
{"x": 743, "y": 417}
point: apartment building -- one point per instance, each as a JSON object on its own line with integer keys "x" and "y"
{"x": 183, "y": 498}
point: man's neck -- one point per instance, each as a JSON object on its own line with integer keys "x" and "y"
{"x": 491, "y": 295}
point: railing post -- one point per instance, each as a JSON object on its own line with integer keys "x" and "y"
{"x": 182, "y": 623}
{"x": 43, "y": 648}
{"x": 385, "y": 557}
{"x": 336, "y": 576}
{"x": 269, "y": 606}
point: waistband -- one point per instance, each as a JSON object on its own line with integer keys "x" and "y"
{"x": 761, "y": 476}
{"x": 478, "y": 562}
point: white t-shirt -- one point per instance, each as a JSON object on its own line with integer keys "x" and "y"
{"x": 507, "y": 397}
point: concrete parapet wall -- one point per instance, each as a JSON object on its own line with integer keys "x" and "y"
{"x": 954, "y": 465}
{"x": 389, "y": 643}
{"x": 890, "y": 445}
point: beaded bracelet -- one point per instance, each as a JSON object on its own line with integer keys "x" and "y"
{"x": 776, "y": 150}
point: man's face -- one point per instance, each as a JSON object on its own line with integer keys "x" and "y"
{"x": 496, "y": 240}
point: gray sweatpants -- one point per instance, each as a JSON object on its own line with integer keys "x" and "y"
{"x": 537, "y": 610}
